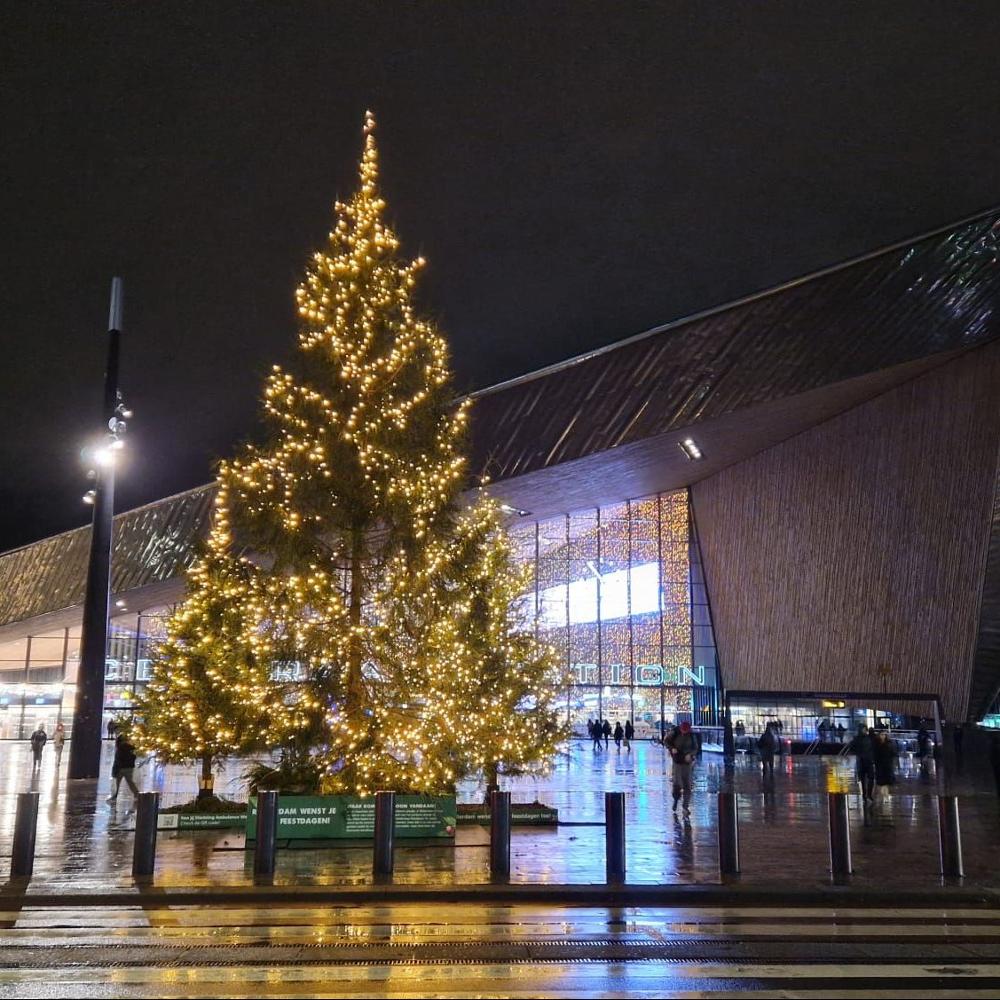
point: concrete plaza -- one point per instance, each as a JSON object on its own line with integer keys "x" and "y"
{"x": 86, "y": 843}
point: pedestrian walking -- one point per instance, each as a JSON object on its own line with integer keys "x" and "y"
{"x": 683, "y": 748}
{"x": 38, "y": 741}
{"x": 840, "y": 732}
{"x": 863, "y": 748}
{"x": 629, "y": 735}
{"x": 112, "y": 729}
{"x": 596, "y": 734}
{"x": 123, "y": 767}
{"x": 958, "y": 736}
{"x": 59, "y": 741}
{"x": 767, "y": 745}
{"x": 619, "y": 735}
{"x": 885, "y": 753}
{"x": 923, "y": 744}
{"x": 606, "y": 730}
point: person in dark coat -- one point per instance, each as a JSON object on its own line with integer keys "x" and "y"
{"x": 885, "y": 753}
{"x": 38, "y": 741}
{"x": 863, "y": 748}
{"x": 767, "y": 744}
{"x": 683, "y": 747}
{"x": 606, "y": 730}
{"x": 629, "y": 734}
{"x": 840, "y": 732}
{"x": 596, "y": 733}
{"x": 923, "y": 744}
{"x": 619, "y": 736}
{"x": 123, "y": 767}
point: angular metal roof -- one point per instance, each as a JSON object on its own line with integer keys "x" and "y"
{"x": 151, "y": 544}
{"x": 935, "y": 294}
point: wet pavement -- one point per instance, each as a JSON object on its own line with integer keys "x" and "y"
{"x": 86, "y": 843}
{"x": 479, "y": 950}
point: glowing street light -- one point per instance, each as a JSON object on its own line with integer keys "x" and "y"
{"x": 85, "y": 737}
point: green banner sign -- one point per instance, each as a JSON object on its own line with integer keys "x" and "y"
{"x": 200, "y": 821}
{"x": 348, "y": 817}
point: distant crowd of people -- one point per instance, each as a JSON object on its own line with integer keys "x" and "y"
{"x": 600, "y": 731}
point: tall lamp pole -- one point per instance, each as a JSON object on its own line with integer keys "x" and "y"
{"x": 85, "y": 736}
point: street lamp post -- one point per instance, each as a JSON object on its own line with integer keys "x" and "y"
{"x": 85, "y": 741}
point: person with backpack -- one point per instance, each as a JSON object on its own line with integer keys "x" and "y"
{"x": 767, "y": 745}
{"x": 683, "y": 748}
{"x": 38, "y": 741}
{"x": 629, "y": 735}
{"x": 885, "y": 754}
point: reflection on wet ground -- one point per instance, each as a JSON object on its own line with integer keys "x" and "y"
{"x": 783, "y": 831}
{"x": 476, "y": 950}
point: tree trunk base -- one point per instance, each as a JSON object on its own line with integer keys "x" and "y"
{"x": 206, "y": 786}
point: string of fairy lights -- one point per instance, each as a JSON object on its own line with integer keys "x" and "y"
{"x": 339, "y": 543}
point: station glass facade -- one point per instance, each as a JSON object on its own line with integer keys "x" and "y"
{"x": 38, "y": 673}
{"x": 618, "y": 591}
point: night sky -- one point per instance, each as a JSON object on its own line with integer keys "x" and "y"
{"x": 574, "y": 173}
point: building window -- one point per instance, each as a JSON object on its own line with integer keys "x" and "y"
{"x": 618, "y": 592}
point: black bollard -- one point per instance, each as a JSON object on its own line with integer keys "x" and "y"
{"x": 499, "y": 835}
{"x": 385, "y": 833}
{"x": 729, "y": 834}
{"x": 22, "y": 860}
{"x": 614, "y": 836}
{"x": 144, "y": 847}
{"x": 267, "y": 833}
{"x": 728, "y": 740}
{"x": 840, "y": 833}
{"x": 950, "y": 837}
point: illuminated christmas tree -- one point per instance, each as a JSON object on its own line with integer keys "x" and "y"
{"x": 208, "y": 697}
{"x": 377, "y": 623}
{"x": 489, "y": 686}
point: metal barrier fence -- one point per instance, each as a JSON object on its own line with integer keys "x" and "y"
{"x": 383, "y": 850}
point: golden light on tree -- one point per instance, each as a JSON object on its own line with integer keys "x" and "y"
{"x": 398, "y": 609}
